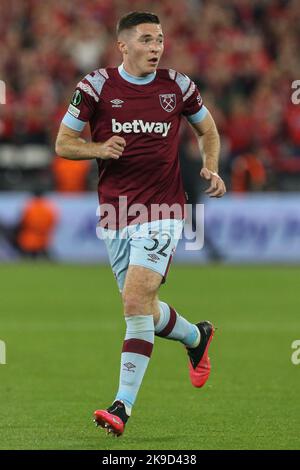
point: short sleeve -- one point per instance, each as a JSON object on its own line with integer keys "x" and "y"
{"x": 84, "y": 100}
{"x": 193, "y": 107}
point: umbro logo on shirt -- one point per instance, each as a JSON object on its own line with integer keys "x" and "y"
{"x": 116, "y": 103}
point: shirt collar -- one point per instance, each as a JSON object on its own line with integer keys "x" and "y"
{"x": 136, "y": 80}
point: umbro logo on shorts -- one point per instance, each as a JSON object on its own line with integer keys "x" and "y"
{"x": 153, "y": 257}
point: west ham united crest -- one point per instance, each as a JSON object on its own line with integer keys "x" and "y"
{"x": 168, "y": 102}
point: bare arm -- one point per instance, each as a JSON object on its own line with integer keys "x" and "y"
{"x": 209, "y": 142}
{"x": 70, "y": 145}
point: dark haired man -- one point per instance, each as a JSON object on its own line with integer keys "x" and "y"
{"x": 134, "y": 113}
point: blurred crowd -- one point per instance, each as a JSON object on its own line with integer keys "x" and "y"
{"x": 243, "y": 55}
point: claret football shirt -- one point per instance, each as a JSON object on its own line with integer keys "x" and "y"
{"x": 146, "y": 112}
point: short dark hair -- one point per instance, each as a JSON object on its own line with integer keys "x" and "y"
{"x": 134, "y": 18}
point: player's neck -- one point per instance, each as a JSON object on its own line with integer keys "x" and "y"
{"x": 125, "y": 73}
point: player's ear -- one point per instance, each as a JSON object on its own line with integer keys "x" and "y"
{"x": 123, "y": 38}
{"x": 122, "y": 47}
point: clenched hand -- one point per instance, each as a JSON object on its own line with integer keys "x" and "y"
{"x": 112, "y": 148}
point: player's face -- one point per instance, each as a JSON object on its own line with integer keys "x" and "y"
{"x": 142, "y": 49}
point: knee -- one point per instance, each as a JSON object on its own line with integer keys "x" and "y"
{"x": 131, "y": 303}
{"x": 135, "y": 303}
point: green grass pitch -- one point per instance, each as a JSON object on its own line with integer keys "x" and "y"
{"x": 63, "y": 330}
